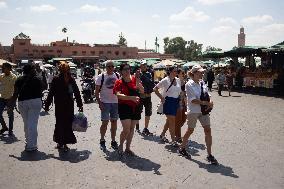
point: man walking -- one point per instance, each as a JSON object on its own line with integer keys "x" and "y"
{"x": 108, "y": 103}
{"x": 221, "y": 78}
{"x": 145, "y": 99}
{"x": 7, "y": 80}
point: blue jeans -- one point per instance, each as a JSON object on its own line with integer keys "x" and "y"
{"x": 10, "y": 111}
{"x": 29, "y": 110}
{"x": 109, "y": 112}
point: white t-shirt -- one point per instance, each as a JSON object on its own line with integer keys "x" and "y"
{"x": 174, "y": 90}
{"x": 106, "y": 94}
{"x": 193, "y": 91}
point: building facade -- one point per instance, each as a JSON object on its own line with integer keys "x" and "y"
{"x": 24, "y": 49}
{"x": 242, "y": 37}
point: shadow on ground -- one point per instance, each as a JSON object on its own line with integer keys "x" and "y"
{"x": 221, "y": 169}
{"x": 9, "y": 139}
{"x": 134, "y": 162}
{"x": 73, "y": 156}
{"x": 32, "y": 156}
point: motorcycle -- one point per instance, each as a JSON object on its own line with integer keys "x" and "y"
{"x": 87, "y": 89}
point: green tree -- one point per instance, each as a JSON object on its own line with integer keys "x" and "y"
{"x": 122, "y": 40}
{"x": 175, "y": 46}
{"x": 193, "y": 51}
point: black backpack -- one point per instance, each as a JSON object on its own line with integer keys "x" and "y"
{"x": 103, "y": 78}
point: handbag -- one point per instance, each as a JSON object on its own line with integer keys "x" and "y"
{"x": 204, "y": 96}
{"x": 160, "y": 107}
{"x": 80, "y": 122}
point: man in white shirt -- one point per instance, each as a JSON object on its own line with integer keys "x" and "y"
{"x": 108, "y": 103}
{"x": 193, "y": 92}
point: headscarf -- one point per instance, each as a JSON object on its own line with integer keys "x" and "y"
{"x": 65, "y": 70}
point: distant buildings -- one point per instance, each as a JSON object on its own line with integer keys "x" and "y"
{"x": 24, "y": 49}
{"x": 242, "y": 37}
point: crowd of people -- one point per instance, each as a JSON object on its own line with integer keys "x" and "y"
{"x": 120, "y": 96}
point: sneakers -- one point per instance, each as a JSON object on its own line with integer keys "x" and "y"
{"x": 4, "y": 129}
{"x": 146, "y": 132}
{"x": 211, "y": 159}
{"x": 102, "y": 144}
{"x": 114, "y": 145}
{"x": 184, "y": 153}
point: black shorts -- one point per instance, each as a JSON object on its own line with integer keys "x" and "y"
{"x": 126, "y": 112}
{"x": 147, "y": 103}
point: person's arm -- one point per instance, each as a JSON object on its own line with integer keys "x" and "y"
{"x": 97, "y": 95}
{"x": 77, "y": 96}
{"x": 156, "y": 90}
{"x": 125, "y": 97}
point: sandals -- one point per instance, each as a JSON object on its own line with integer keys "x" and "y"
{"x": 164, "y": 139}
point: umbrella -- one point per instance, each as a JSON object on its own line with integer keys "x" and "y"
{"x": 192, "y": 63}
{"x": 168, "y": 62}
{"x": 5, "y": 61}
{"x": 48, "y": 66}
{"x": 71, "y": 64}
{"x": 159, "y": 66}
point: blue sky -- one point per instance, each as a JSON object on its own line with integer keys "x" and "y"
{"x": 210, "y": 22}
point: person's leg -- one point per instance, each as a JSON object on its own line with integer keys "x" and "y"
{"x": 33, "y": 116}
{"x": 186, "y": 136}
{"x": 113, "y": 129}
{"x": 130, "y": 135}
{"x": 105, "y": 119}
{"x": 171, "y": 126}
{"x": 166, "y": 127}
{"x": 10, "y": 112}
{"x": 2, "y": 121}
{"x": 113, "y": 118}
{"x": 191, "y": 123}
{"x": 23, "y": 109}
{"x": 126, "y": 124}
{"x": 208, "y": 138}
{"x": 178, "y": 120}
{"x": 148, "y": 111}
{"x": 103, "y": 129}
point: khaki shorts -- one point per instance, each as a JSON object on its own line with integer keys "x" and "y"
{"x": 192, "y": 120}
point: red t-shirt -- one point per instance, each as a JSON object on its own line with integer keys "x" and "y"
{"x": 121, "y": 87}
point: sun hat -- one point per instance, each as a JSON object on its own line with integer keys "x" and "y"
{"x": 196, "y": 68}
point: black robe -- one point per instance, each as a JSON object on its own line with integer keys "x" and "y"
{"x": 64, "y": 108}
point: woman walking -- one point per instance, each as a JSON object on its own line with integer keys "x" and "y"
{"x": 28, "y": 90}
{"x": 229, "y": 81}
{"x": 170, "y": 98}
{"x": 63, "y": 87}
{"x": 127, "y": 90}
{"x": 180, "y": 116}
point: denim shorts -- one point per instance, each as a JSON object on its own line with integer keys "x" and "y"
{"x": 109, "y": 112}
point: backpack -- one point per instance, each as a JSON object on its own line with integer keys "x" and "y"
{"x": 103, "y": 78}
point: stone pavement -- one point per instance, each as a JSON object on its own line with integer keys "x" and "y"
{"x": 248, "y": 142}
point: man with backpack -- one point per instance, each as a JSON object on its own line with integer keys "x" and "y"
{"x": 108, "y": 103}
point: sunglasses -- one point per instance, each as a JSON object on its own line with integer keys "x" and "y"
{"x": 110, "y": 66}
{"x": 126, "y": 69}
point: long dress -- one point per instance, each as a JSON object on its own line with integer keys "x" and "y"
{"x": 64, "y": 108}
